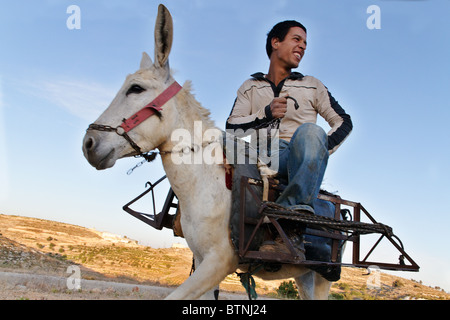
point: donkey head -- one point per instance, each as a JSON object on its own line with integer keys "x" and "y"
{"x": 105, "y": 143}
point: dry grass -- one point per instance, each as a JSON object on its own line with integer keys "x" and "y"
{"x": 47, "y": 247}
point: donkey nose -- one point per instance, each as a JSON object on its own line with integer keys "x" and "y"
{"x": 89, "y": 143}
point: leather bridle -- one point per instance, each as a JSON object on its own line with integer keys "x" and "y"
{"x": 146, "y": 112}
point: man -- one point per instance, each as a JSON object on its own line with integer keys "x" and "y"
{"x": 304, "y": 146}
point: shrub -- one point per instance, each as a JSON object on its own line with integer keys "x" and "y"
{"x": 397, "y": 284}
{"x": 288, "y": 290}
{"x": 344, "y": 286}
{"x": 336, "y": 296}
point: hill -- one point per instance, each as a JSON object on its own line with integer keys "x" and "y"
{"x": 37, "y": 247}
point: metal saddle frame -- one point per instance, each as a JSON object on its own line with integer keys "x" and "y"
{"x": 337, "y": 229}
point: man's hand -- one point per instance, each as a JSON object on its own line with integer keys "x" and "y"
{"x": 278, "y": 107}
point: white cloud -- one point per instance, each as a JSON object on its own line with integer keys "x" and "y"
{"x": 86, "y": 100}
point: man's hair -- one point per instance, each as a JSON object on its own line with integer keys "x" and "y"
{"x": 280, "y": 31}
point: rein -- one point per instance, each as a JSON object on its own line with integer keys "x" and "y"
{"x": 146, "y": 112}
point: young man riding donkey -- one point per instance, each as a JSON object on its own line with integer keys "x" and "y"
{"x": 151, "y": 106}
{"x": 304, "y": 147}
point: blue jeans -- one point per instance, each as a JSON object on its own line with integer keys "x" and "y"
{"x": 302, "y": 162}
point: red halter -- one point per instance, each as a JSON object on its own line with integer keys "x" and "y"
{"x": 139, "y": 117}
{"x": 149, "y": 109}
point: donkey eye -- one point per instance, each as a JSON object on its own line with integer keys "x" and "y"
{"x": 135, "y": 88}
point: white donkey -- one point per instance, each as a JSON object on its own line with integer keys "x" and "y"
{"x": 200, "y": 188}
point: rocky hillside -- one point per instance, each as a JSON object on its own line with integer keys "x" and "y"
{"x": 42, "y": 247}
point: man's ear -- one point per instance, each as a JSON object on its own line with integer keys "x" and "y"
{"x": 275, "y": 42}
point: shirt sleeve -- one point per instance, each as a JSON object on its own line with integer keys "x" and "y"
{"x": 242, "y": 115}
{"x": 339, "y": 121}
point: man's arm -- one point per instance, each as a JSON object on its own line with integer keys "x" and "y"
{"x": 339, "y": 121}
{"x": 244, "y": 114}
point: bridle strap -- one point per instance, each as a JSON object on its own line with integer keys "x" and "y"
{"x": 139, "y": 117}
{"x": 149, "y": 110}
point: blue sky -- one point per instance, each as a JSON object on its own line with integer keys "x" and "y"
{"x": 393, "y": 81}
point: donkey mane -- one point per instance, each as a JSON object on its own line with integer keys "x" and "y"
{"x": 195, "y": 110}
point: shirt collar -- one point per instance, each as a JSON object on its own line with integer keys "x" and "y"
{"x": 293, "y": 76}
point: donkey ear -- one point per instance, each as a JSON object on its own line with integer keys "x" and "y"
{"x": 146, "y": 62}
{"x": 163, "y": 37}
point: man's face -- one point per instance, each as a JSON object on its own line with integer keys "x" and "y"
{"x": 290, "y": 51}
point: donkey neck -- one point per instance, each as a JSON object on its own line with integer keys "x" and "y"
{"x": 189, "y": 171}
{"x": 195, "y": 133}
{"x": 190, "y": 122}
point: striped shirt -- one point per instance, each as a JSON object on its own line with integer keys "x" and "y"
{"x": 252, "y": 107}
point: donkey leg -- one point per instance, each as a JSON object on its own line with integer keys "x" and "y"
{"x": 312, "y": 286}
{"x": 210, "y": 272}
{"x": 212, "y": 294}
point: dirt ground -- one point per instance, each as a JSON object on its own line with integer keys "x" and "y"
{"x": 36, "y": 254}
{"x": 25, "y": 286}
